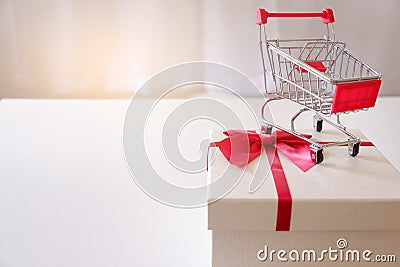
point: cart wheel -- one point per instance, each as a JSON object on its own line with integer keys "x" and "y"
{"x": 318, "y": 125}
{"x": 317, "y": 155}
{"x": 354, "y": 149}
{"x": 266, "y": 129}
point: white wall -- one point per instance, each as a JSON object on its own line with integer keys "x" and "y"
{"x": 369, "y": 27}
{"x": 107, "y": 48}
{"x": 92, "y": 48}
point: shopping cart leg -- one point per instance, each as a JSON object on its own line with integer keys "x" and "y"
{"x": 267, "y": 127}
{"x": 294, "y": 117}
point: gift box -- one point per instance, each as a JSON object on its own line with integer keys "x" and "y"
{"x": 345, "y": 208}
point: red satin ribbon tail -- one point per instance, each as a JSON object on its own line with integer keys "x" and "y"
{"x": 282, "y": 188}
{"x": 363, "y": 143}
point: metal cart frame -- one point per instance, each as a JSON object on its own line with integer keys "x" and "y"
{"x": 319, "y": 74}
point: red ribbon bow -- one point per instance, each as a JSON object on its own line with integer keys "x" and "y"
{"x": 241, "y": 147}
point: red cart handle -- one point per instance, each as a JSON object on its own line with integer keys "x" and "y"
{"x": 326, "y": 15}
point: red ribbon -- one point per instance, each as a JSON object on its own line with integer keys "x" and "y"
{"x": 241, "y": 147}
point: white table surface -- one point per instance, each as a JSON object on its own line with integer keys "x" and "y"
{"x": 67, "y": 198}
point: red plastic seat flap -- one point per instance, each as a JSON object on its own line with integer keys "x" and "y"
{"x": 355, "y": 95}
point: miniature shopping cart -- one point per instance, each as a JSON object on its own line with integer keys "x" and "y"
{"x": 319, "y": 74}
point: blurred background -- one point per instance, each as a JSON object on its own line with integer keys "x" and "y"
{"x": 108, "y": 48}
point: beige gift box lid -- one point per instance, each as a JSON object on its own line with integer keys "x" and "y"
{"x": 340, "y": 194}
